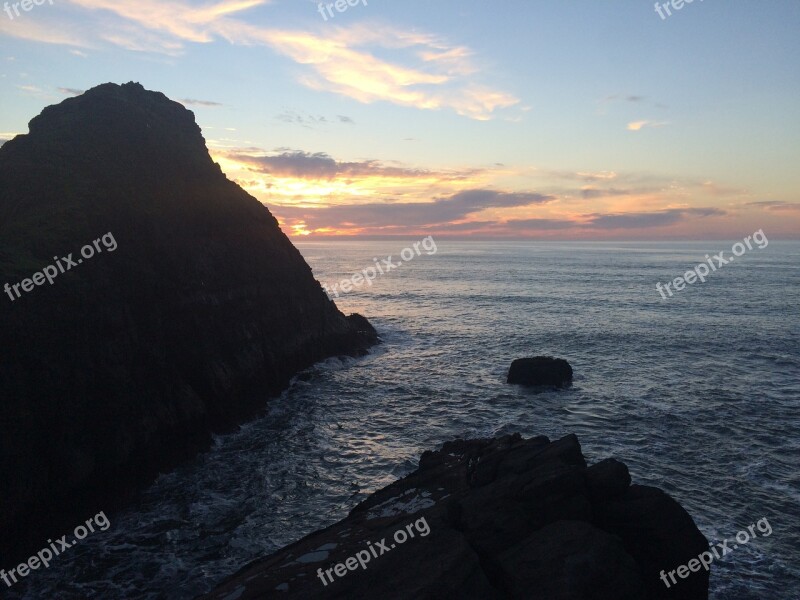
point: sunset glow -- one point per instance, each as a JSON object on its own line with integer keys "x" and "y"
{"x": 402, "y": 120}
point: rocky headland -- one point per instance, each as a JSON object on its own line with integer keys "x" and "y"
{"x": 128, "y": 361}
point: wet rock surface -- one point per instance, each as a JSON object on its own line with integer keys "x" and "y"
{"x": 499, "y": 518}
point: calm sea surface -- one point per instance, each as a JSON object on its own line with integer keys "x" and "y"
{"x": 699, "y": 395}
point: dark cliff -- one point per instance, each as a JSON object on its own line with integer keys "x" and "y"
{"x": 493, "y": 519}
{"x": 193, "y": 309}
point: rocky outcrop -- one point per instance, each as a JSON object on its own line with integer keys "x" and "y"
{"x": 198, "y": 311}
{"x": 499, "y": 518}
{"x": 540, "y": 370}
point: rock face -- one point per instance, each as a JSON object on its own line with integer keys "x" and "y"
{"x": 540, "y": 370}
{"x": 130, "y": 360}
{"x": 499, "y": 518}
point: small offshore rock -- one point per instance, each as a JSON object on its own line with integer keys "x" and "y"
{"x": 540, "y": 370}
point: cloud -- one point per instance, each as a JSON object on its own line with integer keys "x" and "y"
{"x": 641, "y": 220}
{"x": 639, "y": 125}
{"x": 604, "y": 103}
{"x": 448, "y": 215}
{"x": 541, "y": 224}
{"x": 310, "y": 121}
{"x": 178, "y": 19}
{"x": 598, "y": 185}
{"x": 455, "y": 60}
{"x": 319, "y": 165}
{"x": 409, "y": 214}
{"x": 591, "y": 192}
{"x": 609, "y": 221}
{"x": 192, "y": 102}
{"x": 425, "y": 71}
{"x": 313, "y": 192}
{"x": 38, "y": 30}
{"x": 775, "y": 205}
{"x": 597, "y": 222}
{"x": 714, "y": 189}
{"x": 344, "y": 64}
{"x": 597, "y": 176}
{"x": 301, "y": 164}
{"x": 636, "y": 125}
{"x": 622, "y": 97}
{"x": 292, "y": 178}
{"x": 468, "y": 226}
{"x": 70, "y": 91}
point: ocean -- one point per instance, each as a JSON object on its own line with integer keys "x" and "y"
{"x": 699, "y": 394}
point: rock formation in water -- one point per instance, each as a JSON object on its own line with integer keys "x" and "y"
{"x": 540, "y": 370}
{"x": 486, "y": 519}
{"x": 177, "y": 306}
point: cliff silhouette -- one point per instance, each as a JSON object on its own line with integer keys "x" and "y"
{"x": 126, "y": 364}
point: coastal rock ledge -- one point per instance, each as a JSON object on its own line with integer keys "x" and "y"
{"x": 494, "y": 518}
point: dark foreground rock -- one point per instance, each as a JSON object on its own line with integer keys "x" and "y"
{"x": 540, "y": 370}
{"x": 189, "y": 315}
{"x": 501, "y": 518}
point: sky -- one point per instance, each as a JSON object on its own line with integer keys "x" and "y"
{"x": 521, "y": 119}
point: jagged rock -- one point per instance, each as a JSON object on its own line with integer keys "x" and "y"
{"x": 129, "y": 361}
{"x": 540, "y": 370}
{"x": 498, "y": 518}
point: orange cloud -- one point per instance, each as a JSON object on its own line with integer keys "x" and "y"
{"x": 638, "y": 125}
{"x": 313, "y": 193}
{"x": 314, "y": 179}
